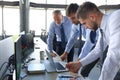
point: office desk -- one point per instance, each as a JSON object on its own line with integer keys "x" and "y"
{"x": 45, "y": 76}
{"x": 36, "y": 55}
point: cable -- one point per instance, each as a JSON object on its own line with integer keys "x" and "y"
{"x": 10, "y": 62}
{"x": 3, "y": 65}
{"x": 4, "y": 71}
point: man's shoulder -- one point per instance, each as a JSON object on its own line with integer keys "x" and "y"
{"x": 52, "y": 24}
{"x": 114, "y": 14}
{"x": 65, "y": 19}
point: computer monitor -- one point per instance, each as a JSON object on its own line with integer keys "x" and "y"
{"x": 18, "y": 57}
{"x": 27, "y": 45}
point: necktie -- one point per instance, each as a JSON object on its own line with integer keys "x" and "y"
{"x": 104, "y": 51}
{"x": 101, "y": 47}
{"x": 101, "y": 41}
{"x": 80, "y": 39}
{"x": 62, "y": 36}
{"x": 92, "y": 36}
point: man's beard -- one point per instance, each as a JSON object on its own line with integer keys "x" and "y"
{"x": 95, "y": 26}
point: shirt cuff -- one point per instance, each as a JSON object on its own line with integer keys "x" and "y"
{"x": 83, "y": 62}
{"x": 66, "y": 50}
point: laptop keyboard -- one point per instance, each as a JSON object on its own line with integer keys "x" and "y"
{"x": 59, "y": 66}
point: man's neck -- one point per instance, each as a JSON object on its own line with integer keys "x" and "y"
{"x": 100, "y": 16}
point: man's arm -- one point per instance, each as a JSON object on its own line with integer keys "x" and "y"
{"x": 50, "y": 38}
{"x": 73, "y": 35}
{"x": 88, "y": 46}
{"x": 95, "y": 53}
{"x": 71, "y": 41}
{"x": 74, "y": 66}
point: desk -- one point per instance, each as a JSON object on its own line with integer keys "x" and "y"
{"x": 36, "y": 55}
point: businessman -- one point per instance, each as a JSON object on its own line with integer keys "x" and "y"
{"x": 109, "y": 30}
{"x": 61, "y": 28}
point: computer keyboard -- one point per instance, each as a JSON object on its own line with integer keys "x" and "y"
{"x": 59, "y": 66}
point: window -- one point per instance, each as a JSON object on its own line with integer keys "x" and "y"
{"x": 11, "y": 21}
{"x": 56, "y": 2}
{"x": 75, "y": 1}
{"x": 10, "y": 0}
{"x": 41, "y": 19}
{"x": 0, "y": 20}
{"x": 38, "y": 1}
{"x": 98, "y": 2}
{"x": 113, "y": 2}
{"x": 37, "y": 20}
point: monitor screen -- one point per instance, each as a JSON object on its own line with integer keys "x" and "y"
{"x": 27, "y": 45}
{"x": 18, "y": 49}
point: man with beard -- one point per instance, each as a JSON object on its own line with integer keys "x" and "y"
{"x": 109, "y": 30}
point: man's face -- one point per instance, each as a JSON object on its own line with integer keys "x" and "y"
{"x": 90, "y": 23}
{"x": 57, "y": 18}
{"x": 73, "y": 18}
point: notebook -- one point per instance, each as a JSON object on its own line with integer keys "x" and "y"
{"x": 52, "y": 66}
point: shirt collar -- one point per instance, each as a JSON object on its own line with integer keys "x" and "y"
{"x": 104, "y": 21}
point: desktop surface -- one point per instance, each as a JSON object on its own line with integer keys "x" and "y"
{"x": 36, "y": 56}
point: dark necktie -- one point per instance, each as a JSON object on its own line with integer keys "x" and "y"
{"x": 92, "y": 36}
{"x": 62, "y": 36}
{"x": 101, "y": 41}
{"x": 80, "y": 39}
{"x": 104, "y": 51}
{"x": 101, "y": 46}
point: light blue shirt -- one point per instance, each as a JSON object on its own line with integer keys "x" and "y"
{"x": 75, "y": 32}
{"x": 86, "y": 34}
{"x": 55, "y": 29}
{"x": 88, "y": 44}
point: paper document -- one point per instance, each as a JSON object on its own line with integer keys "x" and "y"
{"x": 68, "y": 77}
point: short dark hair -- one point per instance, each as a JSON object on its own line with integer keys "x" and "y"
{"x": 85, "y": 9}
{"x": 57, "y": 12}
{"x": 72, "y": 8}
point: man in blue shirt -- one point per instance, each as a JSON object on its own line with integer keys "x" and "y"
{"x": 78, "y": 29}
{"x": 61, "y": 28}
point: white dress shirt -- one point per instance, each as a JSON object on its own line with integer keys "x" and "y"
{"x": 111, "y": 35}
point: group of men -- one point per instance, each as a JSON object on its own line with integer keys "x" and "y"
{"x": 99, "y": 30}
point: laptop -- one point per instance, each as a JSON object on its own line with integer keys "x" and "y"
{"x": 52, "y": 66}
{"x": 36, "y": 68}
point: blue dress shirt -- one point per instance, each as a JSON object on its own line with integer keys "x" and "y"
{"x": 88, "y": 44}
{"x": 75, "y": 32}
{"x": 55, "y": 29}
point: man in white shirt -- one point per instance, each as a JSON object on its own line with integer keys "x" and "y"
{"x": 109, "y": 25}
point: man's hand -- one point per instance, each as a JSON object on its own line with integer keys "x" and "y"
{"x": 63, "y": 56}
{"x": 74, "y": 66}
{"x": 53, "y": 54}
